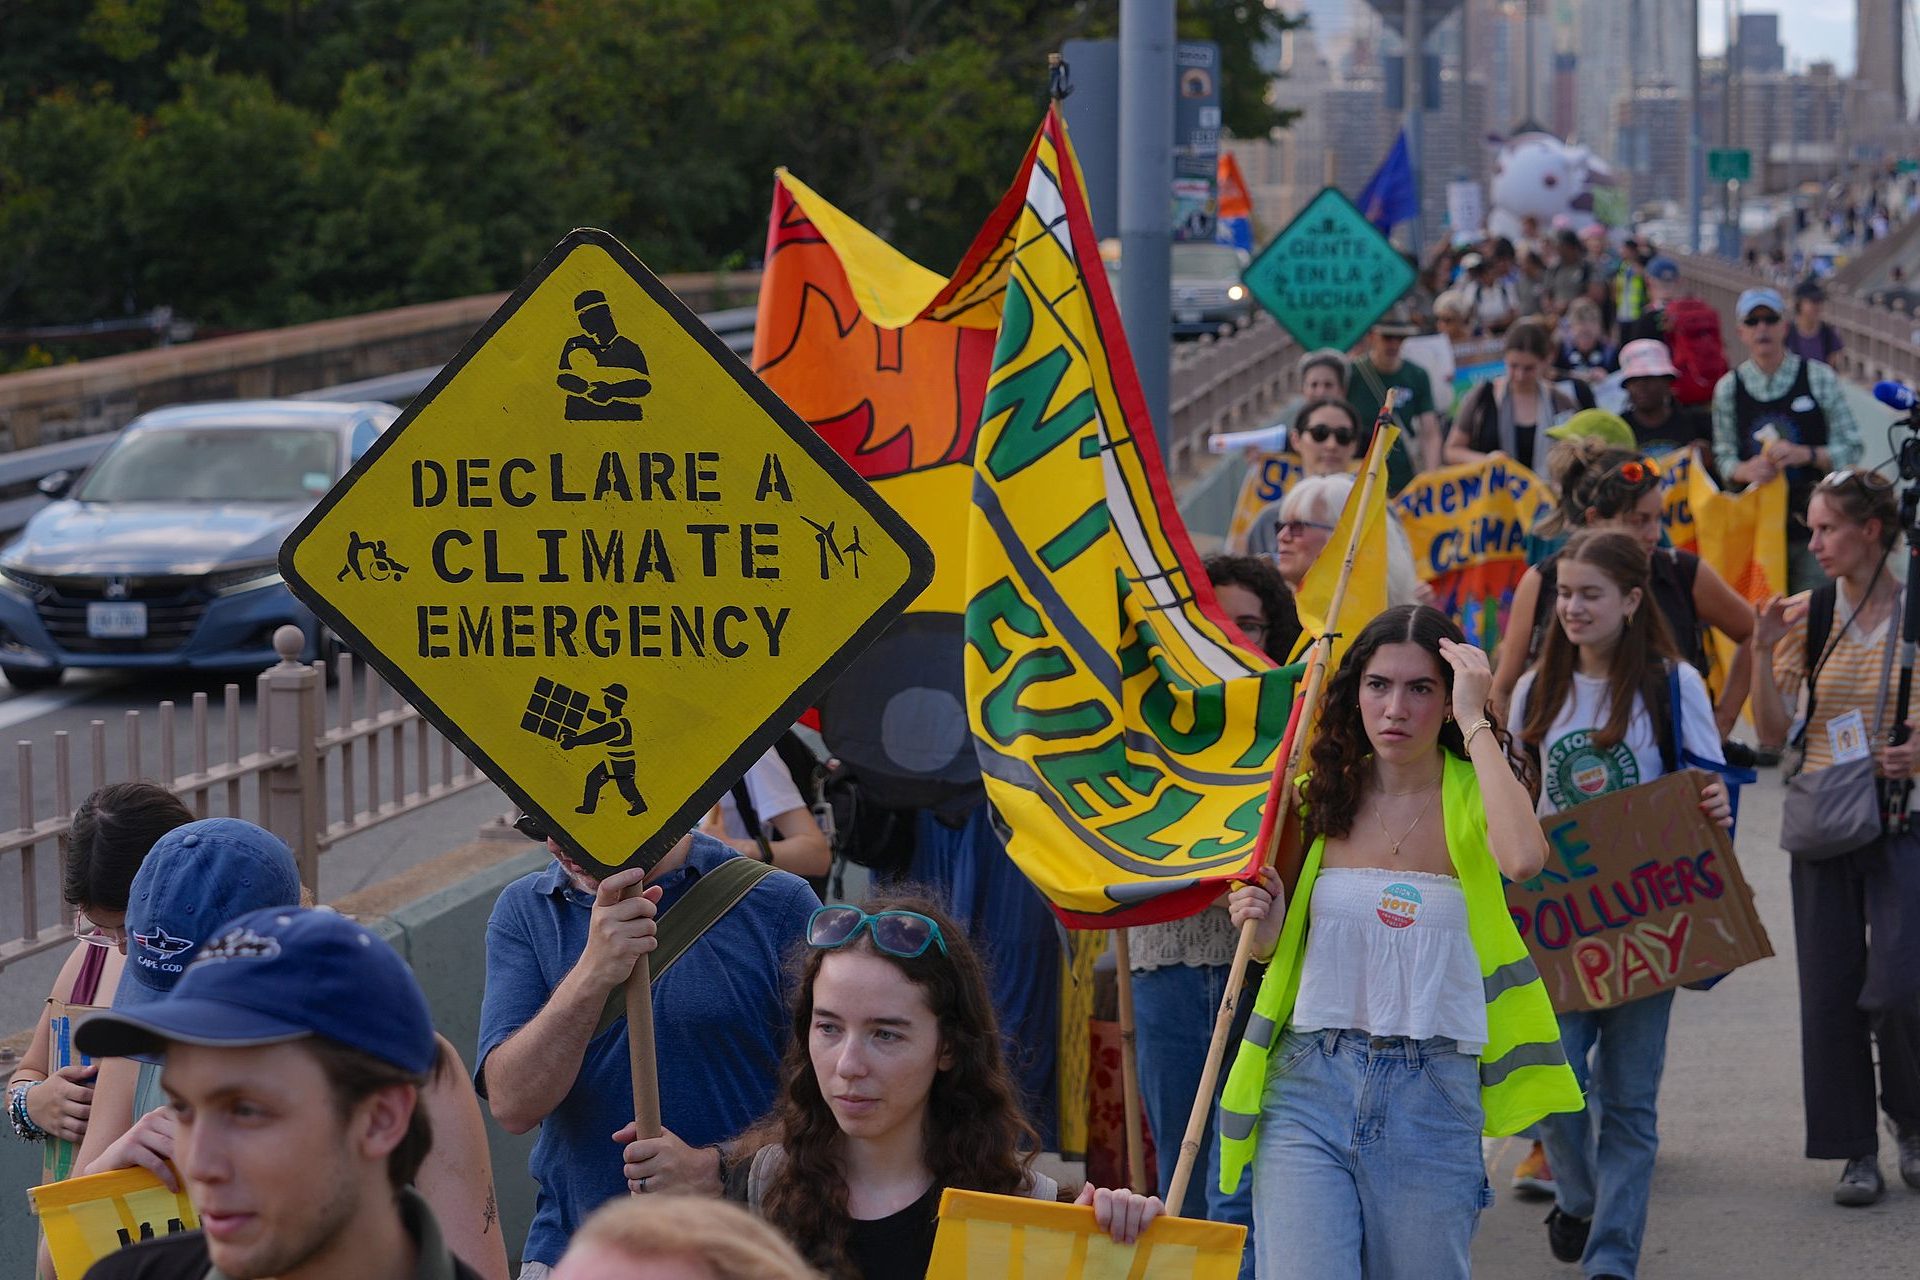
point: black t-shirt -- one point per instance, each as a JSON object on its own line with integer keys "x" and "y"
{"x": 898, "y": 1246}
{"x": 183, "y": 1256}
{"x": 175, "y": 1257}
{"x": 1685, "y": 425}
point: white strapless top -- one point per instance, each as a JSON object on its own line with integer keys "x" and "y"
{"x": 1388, "y": 953}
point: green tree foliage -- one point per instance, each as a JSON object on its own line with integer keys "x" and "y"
{"x": 261, "y": 162}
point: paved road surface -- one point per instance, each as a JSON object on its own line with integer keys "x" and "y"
{"x": 1732, "y": 1196}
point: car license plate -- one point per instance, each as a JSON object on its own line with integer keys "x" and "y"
{"x": 117, "y": 620}
{"x": 1187, "y": 317}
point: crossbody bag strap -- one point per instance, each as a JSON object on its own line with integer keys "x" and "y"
{"x": 1892, "y": 624}
{"x": 712, "y": 896}
{"x": 1827, "y": 601}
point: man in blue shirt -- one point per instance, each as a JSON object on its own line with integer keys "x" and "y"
{"x": 560, "y": 942}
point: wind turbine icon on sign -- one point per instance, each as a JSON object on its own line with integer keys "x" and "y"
{"x": 831, "y": 552}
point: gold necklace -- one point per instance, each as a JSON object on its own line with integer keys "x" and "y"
{"x": 1380, "y": 822}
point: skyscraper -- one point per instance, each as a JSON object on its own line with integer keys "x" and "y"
{"x": 1758, "y": 44}
{"x": 1879, "y": 45}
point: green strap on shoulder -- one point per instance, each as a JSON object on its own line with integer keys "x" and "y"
{"x": 711, "y": 897}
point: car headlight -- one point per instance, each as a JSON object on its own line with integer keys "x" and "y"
{"x": 251, "y": 577}
{"x": 32, "y": 585}
{"x": 1236, "y": 292}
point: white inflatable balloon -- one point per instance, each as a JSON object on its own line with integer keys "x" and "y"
{"x": 1538, "y": 176}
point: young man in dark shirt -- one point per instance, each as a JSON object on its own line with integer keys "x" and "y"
{"x": 294, "y": 1050}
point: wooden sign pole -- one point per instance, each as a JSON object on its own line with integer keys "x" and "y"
{"x": 1130, "y": 1068}
{"x": 643, "y": 1068}
{"x": 1290, "y": 768}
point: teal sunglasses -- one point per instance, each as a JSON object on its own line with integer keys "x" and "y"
{"x": 906, "y": 934}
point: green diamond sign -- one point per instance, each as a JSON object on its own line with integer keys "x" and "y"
{"x": 1329, "y": 275}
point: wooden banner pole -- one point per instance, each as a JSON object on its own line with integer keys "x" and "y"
{"x": 1290, "y": 769}
{"x": 1130, "y": 1067}
{"x": 643, "y": 1067}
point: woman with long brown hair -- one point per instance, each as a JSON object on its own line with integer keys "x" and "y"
{"x": 895, "y": 1087}
{"x": 1603, "y": 487}
{"x": 1611, "y": 705}
{"x": 1400, "y": 1003}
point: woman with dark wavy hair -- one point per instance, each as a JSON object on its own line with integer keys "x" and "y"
{"x": 894, "y": 1088}
{"x": 1400, "y": 1004}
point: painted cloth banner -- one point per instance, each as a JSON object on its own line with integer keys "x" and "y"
{"x": 1126, "y": 730}
{"x": 840, "y": 336}
{"x": 1743, "y": 535}
{"x": 984, "y": 1237}
{"x": 1640, "y": 894}
{"x": 1269, "y": 476}
{"x": 1468, "y": 525}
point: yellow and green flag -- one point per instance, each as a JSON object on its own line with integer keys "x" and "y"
{"x": 1126, "y": 730}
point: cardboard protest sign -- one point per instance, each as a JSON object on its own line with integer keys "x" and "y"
{"x": 1641, "y": 894}
{"x": 1468, "y": 525}
{"x": 86, "y": 1219}
{"x": 986, "y": 1237}
{"x": 600, "y": 555}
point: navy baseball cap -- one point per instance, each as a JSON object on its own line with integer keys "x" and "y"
{"x": 1664, "y": 268}
{"x": 195, "y": 879}
{"x": 278, "y": 975}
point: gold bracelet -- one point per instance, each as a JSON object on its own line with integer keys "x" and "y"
{"x": 1466, "y": 743}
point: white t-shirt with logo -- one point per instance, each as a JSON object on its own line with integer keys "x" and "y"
{"x": 1574, "y": 769}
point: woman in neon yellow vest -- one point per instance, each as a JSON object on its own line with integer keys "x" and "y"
{"x": 1610, "y": 705}
{"x": 1401, "y": 1017}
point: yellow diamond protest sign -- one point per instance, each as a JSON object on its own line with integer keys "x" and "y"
{"x": 599, "y": 554}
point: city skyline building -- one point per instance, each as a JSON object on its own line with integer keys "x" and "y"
{"x": 1880, "y": 45}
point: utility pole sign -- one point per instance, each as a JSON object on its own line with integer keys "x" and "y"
{"x": 601, "y": 556}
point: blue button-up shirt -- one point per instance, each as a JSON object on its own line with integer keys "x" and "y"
{"x": 720, "y": 1025}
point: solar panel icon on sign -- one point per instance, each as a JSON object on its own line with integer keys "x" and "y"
{"x": 555, "y": 711}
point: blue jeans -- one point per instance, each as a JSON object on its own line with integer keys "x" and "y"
{"x": 1173, "y": 1011}
{"x": 1602, "y": 1158}
{"x": 1368, "y": 1159}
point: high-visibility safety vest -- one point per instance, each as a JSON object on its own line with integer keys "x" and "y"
{"x": 1629, "y": 292}
{"x": 1523, "y": 1070}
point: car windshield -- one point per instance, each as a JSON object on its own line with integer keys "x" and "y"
{"x": 1205, "y": 262}
{"x": 205, "y": 464}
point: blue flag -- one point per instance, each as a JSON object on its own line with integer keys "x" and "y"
{"x": 1390, "y": 196}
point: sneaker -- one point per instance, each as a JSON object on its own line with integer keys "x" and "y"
{"x": 1532, "y": 1178}
{"x": 1567, "y": 1235}
{"x": 1907, "y": 1142}
{"x": 1860, "y": 1183}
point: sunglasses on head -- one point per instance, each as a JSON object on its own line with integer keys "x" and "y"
{"x": 1320, "y": 433}
{"x": 906, "y": 934}
{"x": 1869, "y": 480}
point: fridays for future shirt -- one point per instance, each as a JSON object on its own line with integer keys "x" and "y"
{"x": 1573, "y": 768}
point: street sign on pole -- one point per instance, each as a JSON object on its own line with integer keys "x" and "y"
{"x": 1730, "y": 164}
{"x": 603, "y": 558}
{"x": 1329, "y": 275}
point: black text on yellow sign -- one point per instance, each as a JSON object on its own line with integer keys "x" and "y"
{"x": 603, "y": 557}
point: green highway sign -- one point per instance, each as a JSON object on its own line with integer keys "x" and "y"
{"x": 1329, "y": 275}
{"x": 1729, "y": 165}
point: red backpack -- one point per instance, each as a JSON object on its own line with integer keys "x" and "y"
{"x": 1693, "y": 336}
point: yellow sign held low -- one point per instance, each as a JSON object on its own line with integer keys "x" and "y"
{"x": 982, "y": 1236}
{"x": 88, "y": 1218}
{"x": 601, "y": 556}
